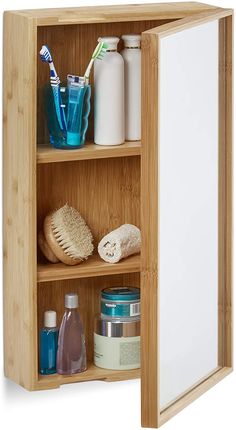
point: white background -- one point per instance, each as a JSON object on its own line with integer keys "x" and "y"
{"x": 100, "y": 405}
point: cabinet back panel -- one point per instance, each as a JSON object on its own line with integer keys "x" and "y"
{"x": 51, "y": 296}
{"x": 106, "y": 192}
{"x": 72, "y": 47}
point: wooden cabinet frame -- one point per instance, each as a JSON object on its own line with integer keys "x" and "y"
{"x": 27, "y": 160}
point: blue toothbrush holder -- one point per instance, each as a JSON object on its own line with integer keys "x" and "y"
{"x": 76, "y": 106}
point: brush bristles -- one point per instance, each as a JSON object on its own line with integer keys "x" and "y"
{"x": 72, "y": 233}
{"x": 45, "y": 54}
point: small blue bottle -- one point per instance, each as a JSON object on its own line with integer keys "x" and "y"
{"x": 48, "y": 344}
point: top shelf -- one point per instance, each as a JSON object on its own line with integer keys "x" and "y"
{"x": 90, "y": 151}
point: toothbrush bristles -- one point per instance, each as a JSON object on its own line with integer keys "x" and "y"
{"x": 98, "y": 53}
{"x": 45, "y": 54}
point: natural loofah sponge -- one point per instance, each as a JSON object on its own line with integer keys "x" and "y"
{"x": 68, "y": 235}
{"x": 120, "y": 243}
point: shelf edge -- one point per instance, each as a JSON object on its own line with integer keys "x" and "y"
{"x": 88, "y": 152}
{"x": 92, "y": 374}
{"x": 131, "y": 265}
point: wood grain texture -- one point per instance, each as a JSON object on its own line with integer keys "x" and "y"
{"x": 90, "y": 151}
{"x": 119, "y": 13}
{"x": 149, "y": 227}
{"x": 225, "y": 192}
{"x": 94, "y": 266}
{"x": 221, "y": 195}
{"x": 106, "y": 192}
{"x": 188, "y": 22}
{"x": 228, "y": 352}
{"x": 92, "y": 373}
{"x": 51, "y": 296}
{"x": 19, "y": 146}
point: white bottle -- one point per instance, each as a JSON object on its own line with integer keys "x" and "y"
{"x": 109, "y": 96}
{"x": 132, "y": 59}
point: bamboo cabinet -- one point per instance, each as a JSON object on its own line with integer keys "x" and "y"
{"x": 175, "y": 185}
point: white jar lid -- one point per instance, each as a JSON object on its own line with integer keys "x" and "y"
{"x": 50, "y": 319}
{"x": 112, "y": 42}
{"x": 131, "y": 40}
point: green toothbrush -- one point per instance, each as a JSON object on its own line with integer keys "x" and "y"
{"x": 98, "y": 54}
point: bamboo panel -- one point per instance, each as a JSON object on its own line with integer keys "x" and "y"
{"x": 106, "y": 192}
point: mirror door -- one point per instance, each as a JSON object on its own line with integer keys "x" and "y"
{"x": 184, "y": 217}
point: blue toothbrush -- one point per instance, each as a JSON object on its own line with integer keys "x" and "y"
{"x": 46, "y": 57}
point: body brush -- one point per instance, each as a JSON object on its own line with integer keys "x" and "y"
{"x": 68, "y": 235}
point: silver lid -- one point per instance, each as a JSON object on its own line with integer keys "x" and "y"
{"x": 71, "y": 300}
{"x": 117, "y": 327}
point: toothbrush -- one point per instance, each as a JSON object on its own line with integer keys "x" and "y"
{"x": 46, "y": 57}
{"x": 98, "y": 54}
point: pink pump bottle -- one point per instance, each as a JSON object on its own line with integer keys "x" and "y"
{"x": 71, "y": 353}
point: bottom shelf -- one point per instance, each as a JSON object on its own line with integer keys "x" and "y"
{"x": 91, "y": 374}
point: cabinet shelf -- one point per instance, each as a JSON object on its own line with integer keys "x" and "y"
{"x": 92, "y": 373}
{"x": 94, "y": 266}
{"x": 90, "y": 151}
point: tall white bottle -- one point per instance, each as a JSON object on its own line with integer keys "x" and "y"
{"x": 132, "y": 59}
{"x": 109, "y": 115}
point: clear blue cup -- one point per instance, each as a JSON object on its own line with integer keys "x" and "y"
{"x": 76, "y": 106}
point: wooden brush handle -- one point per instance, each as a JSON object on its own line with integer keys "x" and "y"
{"x": 54, "y": 245}
{"x": 45, "y": 248}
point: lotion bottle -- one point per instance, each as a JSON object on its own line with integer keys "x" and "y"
{"x": 109, "y": 96}
{"x": 132, "y": 61}
{"x": 71, "y": 353}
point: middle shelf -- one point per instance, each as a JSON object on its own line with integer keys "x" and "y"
{"x": 94, "y": 266}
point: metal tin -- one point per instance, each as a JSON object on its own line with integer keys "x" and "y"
{"x": 120, "y": 302}
{"x": 117, "y": 327}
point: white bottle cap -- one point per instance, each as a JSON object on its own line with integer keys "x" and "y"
{"x": 71, "y": 301}
{"x": 131, "y": 40}
{"x": 112, "y": 42}
{"x": 50, "y": 319}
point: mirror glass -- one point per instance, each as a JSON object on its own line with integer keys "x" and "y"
{"x": 188, "y": 208}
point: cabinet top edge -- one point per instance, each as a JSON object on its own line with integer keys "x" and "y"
{"x": 189, "y": 21}
{"x": 114, "y": 13}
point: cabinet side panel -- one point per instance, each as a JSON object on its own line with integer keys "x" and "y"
{"x": 19, "y": 170}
